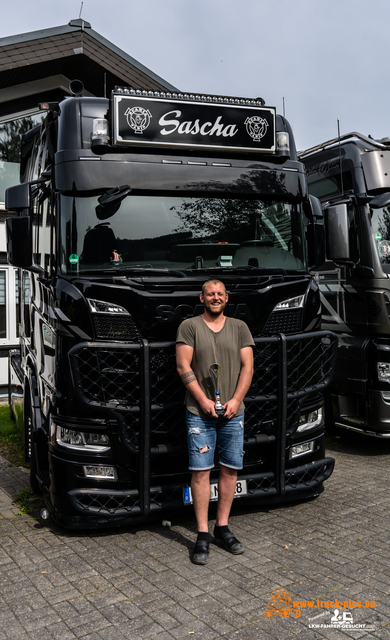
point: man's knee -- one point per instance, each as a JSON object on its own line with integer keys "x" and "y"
{"x": 201, "y": 476}
{"x": 227, "y": 471}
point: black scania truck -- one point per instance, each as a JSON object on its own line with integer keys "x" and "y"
{"x": 351, "y": 177}
{"x": 126, "y": 207}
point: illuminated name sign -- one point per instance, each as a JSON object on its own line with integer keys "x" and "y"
{"x": 162, "y": 122}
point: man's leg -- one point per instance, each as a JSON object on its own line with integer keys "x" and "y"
{"x": 200, "y": 488}
{"x": 226, "y": 488}
{"x": 201, "y": 435}
{"x": 230, "y": 444}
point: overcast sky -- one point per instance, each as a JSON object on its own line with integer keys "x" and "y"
{"x": 328, "y": 59}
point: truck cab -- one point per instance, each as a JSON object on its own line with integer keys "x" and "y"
{"x": 126, "y": 207}
{"x": 350, "y": 176}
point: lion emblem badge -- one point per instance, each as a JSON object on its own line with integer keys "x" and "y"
{"x": 256, "y": 127}
{"x": 138, "y": 118}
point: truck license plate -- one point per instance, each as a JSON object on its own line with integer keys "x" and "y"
{"x": 241, "y": 490}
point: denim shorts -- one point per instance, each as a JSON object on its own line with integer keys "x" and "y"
{"x": 204, "y": 434}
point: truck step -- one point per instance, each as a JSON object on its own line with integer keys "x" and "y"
{"x": 354, "y": 419}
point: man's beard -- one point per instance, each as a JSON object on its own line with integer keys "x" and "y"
{"x": 215, "y": 311}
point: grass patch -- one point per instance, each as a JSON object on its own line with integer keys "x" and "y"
{"x": 26, "y": 501}
{"x": 11, "y": 441}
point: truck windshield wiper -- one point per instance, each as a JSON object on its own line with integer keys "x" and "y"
{"x": 249, "y": 267}
{"x": 244, "y": 267}
{"x": 144, "y": 270}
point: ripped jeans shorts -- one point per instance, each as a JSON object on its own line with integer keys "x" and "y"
{"x": 204, "y": 434}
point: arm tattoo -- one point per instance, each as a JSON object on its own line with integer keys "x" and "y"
{"x": 188, "y": 377}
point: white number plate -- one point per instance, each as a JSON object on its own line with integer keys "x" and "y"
{"x": 241, "y": 490}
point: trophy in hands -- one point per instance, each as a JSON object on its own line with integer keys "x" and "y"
{"x": 215, "y": 374}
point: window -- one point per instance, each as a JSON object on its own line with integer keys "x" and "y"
{"x": 10, "y": 138}
{"x": 8, "y": 308}
{"x": 381, "y": 230}
{"x": 180, "y": 233}
{"x": 331, "y": 185}
{"x": 3, "y": 305}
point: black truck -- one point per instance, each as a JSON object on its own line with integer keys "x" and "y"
{"x": 351, "y": 177}
{"x": 126, "y": 206}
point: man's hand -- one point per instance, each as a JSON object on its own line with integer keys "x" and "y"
{"x": 208, "y": 407}
{"x": 231, "y": 408}
{"x": 244, "y": 382}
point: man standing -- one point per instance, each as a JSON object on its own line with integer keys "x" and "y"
{"x": 202, "y": 341}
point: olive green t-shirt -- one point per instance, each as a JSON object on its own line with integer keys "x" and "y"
{"x": 223, "y": 347}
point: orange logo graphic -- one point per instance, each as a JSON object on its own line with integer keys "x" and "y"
{"x": 281, "y": 605}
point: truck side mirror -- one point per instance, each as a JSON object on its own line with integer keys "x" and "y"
{"x": 18, "y": 198}
{"x": 19, "y": 242}
{"x": 337, "y": 233}
{"x": 315, "y": 235}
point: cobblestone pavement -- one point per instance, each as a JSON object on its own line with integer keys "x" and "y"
{"x": 139, "y": 584}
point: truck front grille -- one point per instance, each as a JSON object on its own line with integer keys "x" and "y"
{"x": 284, "y": 321}
{"x": 141, "y": 384}
{"x": 116, "y": 328}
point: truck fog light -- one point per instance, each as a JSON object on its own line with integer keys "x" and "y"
{"x": 301, "y": 449}
{"x": 310, "y": 420}
{"x": 386, "y": 396}
{"x": 383, "y": 371}
{"x": 97, "y": 471}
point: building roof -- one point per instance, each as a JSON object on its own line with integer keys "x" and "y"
{"x": 39, "y": 66}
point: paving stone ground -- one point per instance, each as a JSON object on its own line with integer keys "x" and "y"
{"x": 139, "y": 584}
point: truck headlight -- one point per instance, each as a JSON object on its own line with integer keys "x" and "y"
{"x": 310, "y": 420}
{"x": 78, "y": 440}
{"x": 291, "y": 303}
{"x": 99, "y": 306}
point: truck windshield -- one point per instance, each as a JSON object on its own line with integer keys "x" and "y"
{"x": 381, "y": 230}
{"x": 180, "y": 233}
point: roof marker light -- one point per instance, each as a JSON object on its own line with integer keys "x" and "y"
{"x": 283, "y": 143}
{"x": 100, "y": 133}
